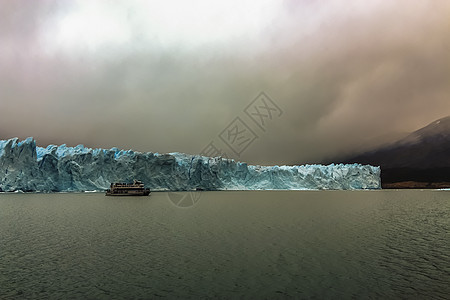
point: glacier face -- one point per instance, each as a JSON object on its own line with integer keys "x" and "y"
{"x": 26, "y": 167}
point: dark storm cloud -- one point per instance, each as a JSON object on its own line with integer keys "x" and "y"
{"x": 345, "y": 75}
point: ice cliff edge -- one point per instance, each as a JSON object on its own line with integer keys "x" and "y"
{"x": 26, "y": 167}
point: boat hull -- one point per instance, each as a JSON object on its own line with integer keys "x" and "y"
{"x": 138, "y": 193}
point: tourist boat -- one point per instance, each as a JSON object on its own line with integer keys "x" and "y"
{"x": 128, "y": 189}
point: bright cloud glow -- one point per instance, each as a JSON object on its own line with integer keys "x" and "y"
{"x": 88, "y": 26}
{"x": 93, "y": 24}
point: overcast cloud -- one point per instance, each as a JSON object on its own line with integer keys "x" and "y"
{"x": 170, "y": 77}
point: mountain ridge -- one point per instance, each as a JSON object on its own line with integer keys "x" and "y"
{"x": 422, "y": 158}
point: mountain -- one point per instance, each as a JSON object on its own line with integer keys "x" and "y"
{"x": 420, "y": 160}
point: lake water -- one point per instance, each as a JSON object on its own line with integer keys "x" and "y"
{"x": 252, "y": 245}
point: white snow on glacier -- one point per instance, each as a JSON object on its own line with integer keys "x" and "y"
{"x": 26, "y": 167}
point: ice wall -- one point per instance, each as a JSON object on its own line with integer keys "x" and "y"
{"x": 25, "y": 167}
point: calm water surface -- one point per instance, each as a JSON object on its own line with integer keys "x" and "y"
{"x": 255, "y": 245}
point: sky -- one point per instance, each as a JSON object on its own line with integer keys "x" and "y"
{"x": 266, "y": 82}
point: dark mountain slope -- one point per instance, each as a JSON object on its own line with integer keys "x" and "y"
{"x": 422, "y": 159}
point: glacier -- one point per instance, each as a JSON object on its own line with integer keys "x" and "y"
{"x": 29, "y": 168}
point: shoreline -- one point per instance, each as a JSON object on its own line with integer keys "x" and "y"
{"x": 194, "y": 191}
